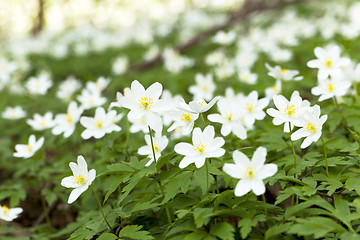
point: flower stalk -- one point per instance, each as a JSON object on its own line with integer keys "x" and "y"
{"x": 325, "y": 153}
{"x": 101, "y": 209}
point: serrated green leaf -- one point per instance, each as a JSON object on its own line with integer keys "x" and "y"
{"x": 276, "y": 230}
{"x": 202, "y": 216}
{"x": 317, "y": 226}
{"x": 163, "y": 160}
{"x": 107, "y": 236}
{"x": 199, "y": 235}
{"x": 133, "y": 232}
{"x": 223, "y": 230}
{"x": 353, "y": 184}
{"x": 112, "y": 187}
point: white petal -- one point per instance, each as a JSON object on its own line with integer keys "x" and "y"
{"x": 267, "y": 170}
{"x": 242, "y": 187}
{"x": 257, "y": 186}
{"x": 76, "y": 193}
{"x": 184, "y": 149}
{"x": 232, "y": 170}
{"x": 241, "y": 159}
{"x": 259, "y": 157}
{"x": 68, "y": 182}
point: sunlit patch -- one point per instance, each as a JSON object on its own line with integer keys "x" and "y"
{"x": 146, "y": 103}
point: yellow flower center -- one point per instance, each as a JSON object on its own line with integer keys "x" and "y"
{"x": 328, "y": 62}
{"x": 249, "y": 173}
{"x": 330, "y": 87}
{"x": 99, "y": 124}
{"x": 79, "y": 179}
{"x": 199, "y": 147}
{"x": 186, "y": 117}
{"x": 229, "y": 116}
{"x": 43, "y": 123}
{"x": 146, "y": 103}
{"x": 202, "y": 103}
{"x": 310, "y": 127}
{"x": 29, "y": 148}
{"x": 283, "y": 70}
{"x": 156, "y": 148}
{"x": 5, "y": 210}
{"x": 250, "y": 107}
{"x": 290, "y": 110}
{"x": 204, "y": 88}
{"x": 69, "y": 118}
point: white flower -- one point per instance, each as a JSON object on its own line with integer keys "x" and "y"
{"x": 225, "y": 69}
{"x": 273, "y": 90}
{"x": 224, "y": 38}
{"x": 329, "y": 88}
{"x": 288, "y": 111}
{"x": 185, "y": 121}
{"x": 328, "y": 62}
{"x": 68, "y": 88}
{"x": 13, "y": 113}
{"x": 9, "y": 214}
{"x": 251, "y": 172}
{"x": 7, "y": 68}
{"x": 205, "y": 145}
{"x": 311, "y": 123}
{"x": 215, "y": 58}
{"x": 138, "y": 124}
{"x": 174, "y": 62}
{"x": 41, "y": 122}
{"x": 100, "y": 124}
{"x": 29, "y": 149}
{"x": 247, "y": 77}
{"x": 119, "y": 65}
{"x": 145, "y": 103}
{"x": 65, "y": 122}
{"x": 91, "y": 98}
{"x": 197, "y": 105}
{"x": 253, "y": 107}
{"x": 100, "y": 84}
{"x": 81, "y": 179}
{"x": 283, "y": 74}
{"x": 39, "y": 85}
{"x": 171, "y": 101}
{"x": 160, "y": 143}
{"x": 230, "y": 117}
{"x": 204, "y": 87}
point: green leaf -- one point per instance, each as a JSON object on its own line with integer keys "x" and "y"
{"x": 276, "y": 230}
{"x": 356, "y": 136}
{"x": 317, "y": 226}
{"x": 176, "y": 184}
{"x": 353, "y": 184}
{"x": 164, "y": 159}
{"x": 112, "y": 187}
{"x": 107, "y": 236}
{"x": 223, "y": 230}
{"x": 133, "y": 232}
{"x": 199, "y": 235}
{"x": 202, "y": 216}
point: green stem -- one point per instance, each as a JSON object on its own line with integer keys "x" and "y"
{"x": 336, "y": 104}
{"x": 166, "y": 208}
{"x": 202, "y": 118}
{"x": 101, "y": 210}
{"x": 265, "y": 207}
{"x": 325, "y": 153}
{"x": 161, "y": 189}
{"x": 292, "y": 145}
{"x": 1, "y": 226}
{"x": 207, "y": 177}
{"x": 127, "y": 134}
{"x": 152, "y": 143}
{"x": 46, "y": 212}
